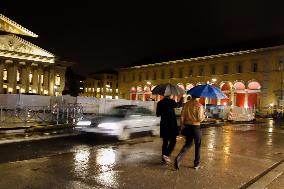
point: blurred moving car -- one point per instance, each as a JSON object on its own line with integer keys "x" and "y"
{"x": 122, "y": 121}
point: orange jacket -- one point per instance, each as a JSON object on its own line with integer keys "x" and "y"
{"x": 192, "y": 113}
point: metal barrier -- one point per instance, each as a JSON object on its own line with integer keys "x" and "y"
{"x": 41, "y": 114}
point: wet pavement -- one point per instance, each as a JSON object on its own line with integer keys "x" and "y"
{"x": 233, "y": 156}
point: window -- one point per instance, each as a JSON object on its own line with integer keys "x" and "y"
{"x": 147, "y": 75}
{"x": 180, "y": 73}
{"x": 171, "y": 73}
{"x": 254, "y": 67}
{"x": 213, "y": 70}
{"x": 163, "y": 74}
{"x": 123, "y": 79}
{"x": 18, "y": 76}
{"x": 190, "y": 73}
{"x": 225, "y": 69}
{"x": 57, "y": 79}
{"x": 154, "y": 75}
{"x": 31, "y": 78}
{"x": 133, "y": 77}
{"x": 41, "y": 79}
{"x": 140, "y": 77}
{"x": 239, "y": 68}
{"x": 201, "y": 71}
{"x": 5, "y": 75}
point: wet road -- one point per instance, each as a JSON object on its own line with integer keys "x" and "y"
{"x": 231, "y": 156}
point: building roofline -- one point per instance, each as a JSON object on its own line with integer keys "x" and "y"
{"x": 207, "y": 57}
{"x": 13, "y": 23}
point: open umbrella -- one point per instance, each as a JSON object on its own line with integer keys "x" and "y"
{"x": 207, "y": 91}
{"x": 168, "y": 89}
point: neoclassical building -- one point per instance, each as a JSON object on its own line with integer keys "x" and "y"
{"x": 25, "y": 67}
{"x": 250, "y": 79}
{"x": 101, "y": 84}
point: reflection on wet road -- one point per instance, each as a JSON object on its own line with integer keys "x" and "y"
{"x": 230, "y": 156}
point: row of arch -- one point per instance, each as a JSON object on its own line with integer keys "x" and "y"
{"x": 239, "y": 93}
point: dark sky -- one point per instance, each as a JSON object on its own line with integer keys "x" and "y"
{"x": 101, "y": 35}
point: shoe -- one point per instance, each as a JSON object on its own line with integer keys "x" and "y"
{"x": 196, "y": 167}
{"x": 176, "y": 164}
{"x": 166, "y": 159}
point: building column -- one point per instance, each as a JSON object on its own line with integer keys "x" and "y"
{"x": 35, "y": 80}
{"x": 246, "y": 99}
{"x": 232, "y": 97}
{"x": 12, "y": 77}
{"x": 45, "y": 81}
{"x": 51, "y": 81}
{"x": 39, "y": 86}
{"x": 1, "y": 76}
{"x": 25, "y": 78}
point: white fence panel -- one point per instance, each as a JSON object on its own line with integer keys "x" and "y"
{"x": 33, "y": 100}
{"x": 9, "y": 99}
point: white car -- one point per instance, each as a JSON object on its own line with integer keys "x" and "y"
{"x": 121, "y": 122}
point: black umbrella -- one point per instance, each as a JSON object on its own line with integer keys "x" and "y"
{"x": 168, "y": 89}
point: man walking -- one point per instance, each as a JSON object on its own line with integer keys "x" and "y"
{"x": 168, "y": 125}
{"x": 191, "y": 116}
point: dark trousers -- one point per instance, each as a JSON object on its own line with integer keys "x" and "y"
{"x": 192, "y": 132}
{"x": 168, "y": 145}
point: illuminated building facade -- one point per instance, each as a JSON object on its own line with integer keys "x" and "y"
{"x": 101, "y": 85}
{"x": 25, "y": 67}
{"x": 250, "y": 79}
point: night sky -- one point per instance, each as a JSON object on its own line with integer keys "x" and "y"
{"x": 100, "y": 35}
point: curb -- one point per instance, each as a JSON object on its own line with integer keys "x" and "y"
{"x": 8, "y": 141}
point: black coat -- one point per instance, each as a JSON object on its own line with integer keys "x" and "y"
{"x": 168, "y": 124}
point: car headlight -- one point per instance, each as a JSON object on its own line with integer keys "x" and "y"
{"x": 108, "y": 125}
{"x": 83, "y": 123}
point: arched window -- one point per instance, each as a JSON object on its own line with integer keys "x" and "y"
{"x": 189, "y": 86}
{"x": 239, "y": 85}
{"x": 254, "y": 85}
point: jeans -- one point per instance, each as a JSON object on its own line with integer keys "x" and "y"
{"x": 193, "y": 133}
{"x": 168, "y": 145}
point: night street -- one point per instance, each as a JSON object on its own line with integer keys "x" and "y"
{"x": 231, "y": 156}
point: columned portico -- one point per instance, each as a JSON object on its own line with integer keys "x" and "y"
{"x": 25, "y": 67}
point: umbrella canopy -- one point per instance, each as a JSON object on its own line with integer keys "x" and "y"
{"x": 168, "y": 89}
{"x": 208, "y": 91}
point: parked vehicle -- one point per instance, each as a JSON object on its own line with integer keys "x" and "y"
{"x": 121, "y": 122}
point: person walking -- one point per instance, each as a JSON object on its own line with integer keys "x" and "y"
{"x": 191, "y": 115}
{"x": 168, "y": 125}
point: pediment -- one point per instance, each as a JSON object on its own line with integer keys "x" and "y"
{"x": 10, "y": 26}
{"x": 14, "y": 43}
